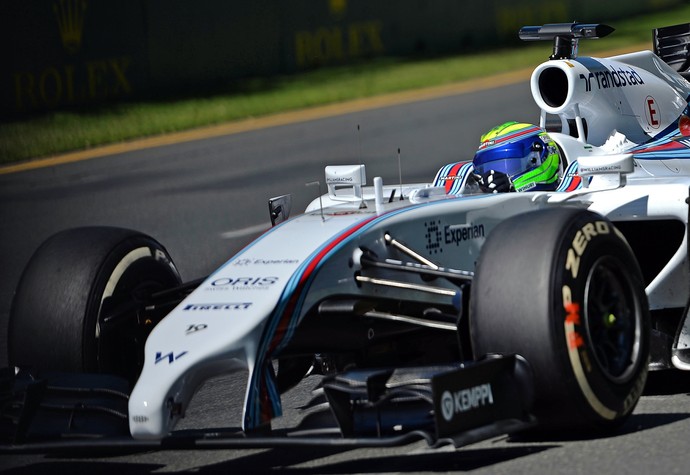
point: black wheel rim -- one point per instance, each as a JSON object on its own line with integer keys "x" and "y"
{"x": 120, "y": 340}
{"x": 613, "y": 319}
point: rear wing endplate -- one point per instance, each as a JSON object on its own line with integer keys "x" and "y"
{"x": 672, "y": 45}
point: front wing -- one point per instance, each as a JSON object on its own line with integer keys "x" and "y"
{"x": 450, "y": 404}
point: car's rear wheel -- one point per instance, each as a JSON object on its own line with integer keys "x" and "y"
{"x": 78, "y": 306}
{"x": 562, "y": 288}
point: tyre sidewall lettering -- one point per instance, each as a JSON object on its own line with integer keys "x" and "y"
{"x": 579, "y": 244}
{"x": 600, "y": 394}
{"x": 540, "y": 306}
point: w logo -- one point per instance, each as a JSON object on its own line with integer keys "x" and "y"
{"x": 171, "y": 357}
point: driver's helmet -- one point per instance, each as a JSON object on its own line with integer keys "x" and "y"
{"x": 524, "y": 152}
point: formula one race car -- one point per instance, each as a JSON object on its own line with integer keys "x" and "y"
{"x": 432, "y": 311}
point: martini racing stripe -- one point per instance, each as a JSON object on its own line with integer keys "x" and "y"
{"x": 669, "y": 150}
{"x": 263, "y": 398}
{"x": 283, "y": 323}
{"x": 571, "y": 180}
{"x": 453, "y": 176}
{"x": 666, "y": 145}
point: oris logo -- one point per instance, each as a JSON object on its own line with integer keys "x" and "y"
{"x": 243, "y": 283}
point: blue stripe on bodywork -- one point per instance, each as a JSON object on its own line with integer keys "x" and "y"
{"x": 263, "y": 378}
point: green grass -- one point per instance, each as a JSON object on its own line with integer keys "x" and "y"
{"x": 61, "y": 131}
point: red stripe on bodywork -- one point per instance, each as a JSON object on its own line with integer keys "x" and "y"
{"x": 285, "y": 318}
{"x": 574, "y": 183}
{"x": 659, "y": 148}
{"x": 265, "y": 406}
{"x": 453, "y": 172}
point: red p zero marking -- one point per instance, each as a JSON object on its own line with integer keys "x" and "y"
{"x": 652, "y": 112}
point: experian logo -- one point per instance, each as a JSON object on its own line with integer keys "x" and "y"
{"x": 465, "y": 400}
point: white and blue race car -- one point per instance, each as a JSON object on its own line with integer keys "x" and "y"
{"x": 431, "y": 310}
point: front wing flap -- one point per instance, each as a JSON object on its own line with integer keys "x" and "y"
{"x": 447, "y": 401}
{"x": 451, "y": 404}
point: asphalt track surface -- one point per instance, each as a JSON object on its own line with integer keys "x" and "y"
{"x": 204, "y": 199}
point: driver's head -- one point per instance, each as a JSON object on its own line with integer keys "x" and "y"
{"x": 524, "y": 152}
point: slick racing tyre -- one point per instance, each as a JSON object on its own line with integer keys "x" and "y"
{"x": 562, "y": 288}
{"x": 78, "y": 306}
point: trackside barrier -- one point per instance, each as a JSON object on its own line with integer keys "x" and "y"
{"x": 67, "y": 53}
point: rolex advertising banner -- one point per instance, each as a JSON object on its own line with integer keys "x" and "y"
{"x": 67, "y": 53}
{"x": 197, "y": 45}
{"x": 60, "y": 54}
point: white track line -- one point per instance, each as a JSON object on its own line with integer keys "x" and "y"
{"x": 245, "y": 231}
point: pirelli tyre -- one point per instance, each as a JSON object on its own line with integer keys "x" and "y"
{"x": 562, "y": 288}
{"x": 78, "y": 306}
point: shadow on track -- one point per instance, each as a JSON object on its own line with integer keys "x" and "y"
{"x": 663, "y": 383}
{"x": 293, "y": 460}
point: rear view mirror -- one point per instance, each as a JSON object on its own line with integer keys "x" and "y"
{"x": 608, "y": 171}
{"x": 279, "y": 208}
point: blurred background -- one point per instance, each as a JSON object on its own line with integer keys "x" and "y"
{"x": 78, "y": 74}
{"x": 66, "y": 53}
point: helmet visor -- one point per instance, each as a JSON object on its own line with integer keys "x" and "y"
{"x": 511, "y": 159}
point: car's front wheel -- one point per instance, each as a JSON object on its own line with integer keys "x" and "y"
{"x": 562, "y": 288}
{"x": 78, "y": 306}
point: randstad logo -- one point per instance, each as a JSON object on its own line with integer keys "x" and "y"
{"x": 70, "y": 18}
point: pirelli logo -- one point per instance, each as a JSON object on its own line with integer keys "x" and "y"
{"x": 580, "y": 242}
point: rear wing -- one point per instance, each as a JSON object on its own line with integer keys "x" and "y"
{"x": 672, "y": 45}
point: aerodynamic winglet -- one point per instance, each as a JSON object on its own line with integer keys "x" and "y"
{"x": 564, "y": 36}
